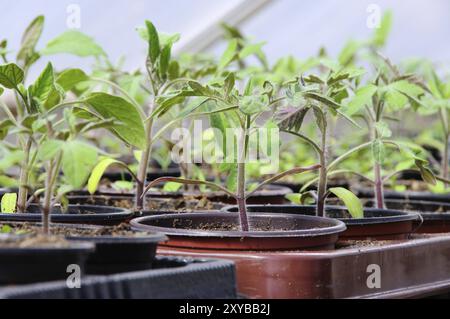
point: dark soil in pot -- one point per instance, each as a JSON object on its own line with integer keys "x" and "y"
{"x": 271, "y": 194}
{"x": 377, "y": 224}
{"x": 118, "y": 249}
{"x": 76, "y": 214}
{"x": 154, "y": 205}
{"x": 26, "y": 260}
{"x": 220, "y": 231}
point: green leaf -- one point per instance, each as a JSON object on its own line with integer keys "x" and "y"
{"x": 11, "y": 75}
{"x": 383, "y": 130}
{"x": 164, "y": 61}
{"x": 44, "y": 85}
{"x": 251, "y": 49}
{"x": 78, "y": 160}
{"x": 153, "y": 42}
{"x": 131, "y": 127}
{"x": 30, "y": 39}
{"x": 1, "y": 91}
{"x": 69, "y": 79}
{"x": 172, "y": 187}
{"x": 251, "y": 105}
{"x": 9, "y": 202}
{"x": 353, "y": 204}
{"x": 123, "y": 185}
{"x": 49, "y": 149}
{"x": 73, "y": 42}
{"x": 6, "y": 181}
{"x": 382, "y": 33}
{"x": 98, "y": 172}
{"x": 427, "y": 174}
{"x": 229, "y": 55}
{"x": 362, "y": 98}
{"x": 231, "y": 181}
{"x": 5, "y": 125}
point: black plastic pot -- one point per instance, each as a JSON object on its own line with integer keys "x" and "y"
{"x": 271, "y": 194}
{"x": 77, "y": 214}
{"x": 296, "y": 187}
{"x": 171, "y": 278}
{"x": 367, "y": 192}
{"x": 121, "y": 254}
{"x": 435, "y": 215}
{"x": 116, "y": 201}
{"x": 151, "y": 176}
{"x": 268, "y": 231}
{"x": 30, "y": 265}
{"x": 377, "y": 224}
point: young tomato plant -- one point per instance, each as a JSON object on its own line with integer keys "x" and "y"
{"x": 322, "y": 96}
{"x": 13, "y": 77}
{"x": 244, "y": 108}
{"x": 377, "y": 102}
{"x": 166, "y": 87}
{"x": 53, "y": 142}
{"x": 438, "y": 101}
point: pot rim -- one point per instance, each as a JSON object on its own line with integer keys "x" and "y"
{"x": 75, "y": 246}
{"x": 394, "y": 217}
{"x": 105, "y": 211}
{"x": 334, "y": 228}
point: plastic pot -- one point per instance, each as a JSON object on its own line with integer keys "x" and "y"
{"x": 119, "y": 254}
{"x": 272, "y": 194}
{"x": 30, "y": 265}
{"x": 416, "y": 268}
{"x": 367, "y": 192}
{"x": 171, "y": 278}
{"x": 77, "y": 214}
{"x": 296, "y": 187}
{"x": 284, "y": 232}
{"x": 435, "y": 215}
{"x": 151, "y": 176}
{"x": 164, "y": 204}
{"x": 377, "y": 224}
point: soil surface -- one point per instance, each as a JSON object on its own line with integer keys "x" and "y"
{"x": 123, "y": 230}
{"x": 39, "y": 241}
{"x": 186, "y": 204}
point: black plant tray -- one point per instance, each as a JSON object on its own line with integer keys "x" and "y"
{"x": 171, "y": 278}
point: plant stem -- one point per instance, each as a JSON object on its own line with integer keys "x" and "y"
{"x": 445, "y": 159}
{"x": 241, "y": 198}
{"x": 47, "y": 200}
{"x": 379, "y": 189}
{"x": 24, "y": 176}
{"x": 323, "y": 177}
{"x": 143, "y": 167}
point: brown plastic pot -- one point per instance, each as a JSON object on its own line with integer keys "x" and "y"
{"x": 377, "y": 224}
{"x": 298, "y": 231}
{"x": 408, "y": 269}
{"x": 272, "y": 194}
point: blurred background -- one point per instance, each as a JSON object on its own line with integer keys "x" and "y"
{"x": 298, "y": 27}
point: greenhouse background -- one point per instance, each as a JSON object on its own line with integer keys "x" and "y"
{"x": 300, "y": 28}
